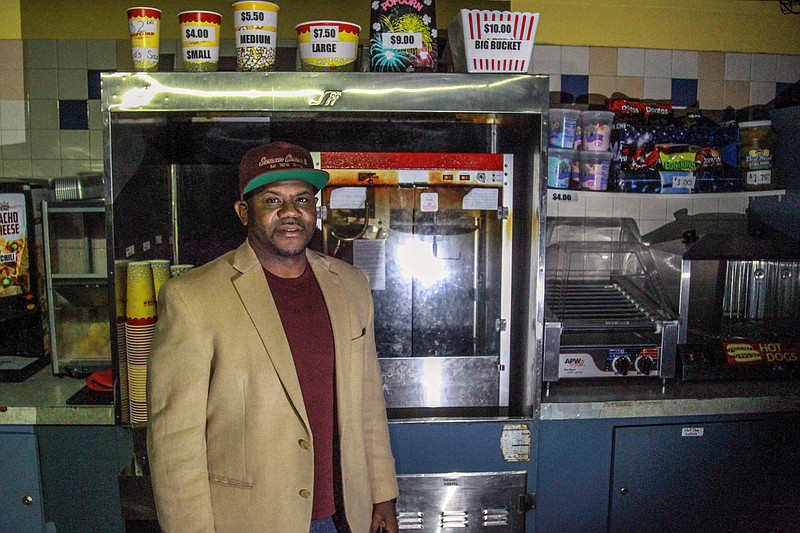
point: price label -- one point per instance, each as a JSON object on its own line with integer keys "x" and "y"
{"x": 683, "y": 182}
{"x": 255, "y": 18}
{"x": 325, "y": 33}
{"x": 563, "y": 197}
{"x": 497, "y": 30}
{"x": 401, "y": 41}
{"x": 759, "y": 177}
{"x": 199, "y": 34}
{"x": 145, "y": 246}
{"x": 142, "y": 26}
{"x": 251, "y": 16}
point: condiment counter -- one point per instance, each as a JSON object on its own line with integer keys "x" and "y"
{"x": 42, "y": 400}
{"x": 586, "y": 400}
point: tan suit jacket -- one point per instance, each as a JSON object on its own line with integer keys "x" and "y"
{"x": 229, "y": 442}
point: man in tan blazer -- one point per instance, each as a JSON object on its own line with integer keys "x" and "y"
{"x": 250, "y": 427}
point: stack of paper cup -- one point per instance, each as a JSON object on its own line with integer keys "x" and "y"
{"x": 177, "y": 270}
{"x": 140, "y": 325}
{"x": 120, "y": 290}
{"x": 161, "y": 273}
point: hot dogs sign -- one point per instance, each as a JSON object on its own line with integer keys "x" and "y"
{"x": 14, "y": 278}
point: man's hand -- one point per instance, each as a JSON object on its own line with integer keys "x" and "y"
{"x": 384, "y": 518}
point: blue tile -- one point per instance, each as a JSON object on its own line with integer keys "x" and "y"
{"x": 780, "y": 87}
{"x": 575, "y": 85}
{"x": 93, "y": 83}
{"x": 73, "y": 114}
{"x": 684, "y": 92}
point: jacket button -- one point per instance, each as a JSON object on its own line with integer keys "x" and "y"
{"x": 304, "y": 444}
{"x": 305, "y": 493}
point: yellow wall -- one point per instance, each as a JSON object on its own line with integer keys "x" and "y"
{"x": 106, "y": 19}
{"x": 712, "y": 25}
{"x": 10, "y": 27}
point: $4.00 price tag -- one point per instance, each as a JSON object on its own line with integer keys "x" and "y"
{"x": 199, "y": 34}
{"x": 563, "y": 197}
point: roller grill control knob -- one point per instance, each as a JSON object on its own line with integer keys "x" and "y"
{"x": 644, "y": 364}
{"x": 621, "y": 365}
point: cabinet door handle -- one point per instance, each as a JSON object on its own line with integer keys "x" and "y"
{"x": 623, "y": 491}
{"x": 27, "y": 500}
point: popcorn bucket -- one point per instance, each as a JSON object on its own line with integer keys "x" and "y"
{"x": 255, "y": 25}
{"x": 327, "y": 45}
{"x": 200, "y": 40}
{"x": 144, "y": 25}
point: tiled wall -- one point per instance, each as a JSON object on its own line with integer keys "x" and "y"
{"x": 50, "y": 122}
{"x": 715, "y": 79}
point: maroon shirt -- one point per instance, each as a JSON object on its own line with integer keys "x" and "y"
{"x": 308, "y": 328}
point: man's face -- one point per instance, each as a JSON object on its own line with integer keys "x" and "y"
{"x": 280, "y": 218}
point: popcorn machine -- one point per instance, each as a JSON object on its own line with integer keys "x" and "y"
{"x": 435, "y": 193}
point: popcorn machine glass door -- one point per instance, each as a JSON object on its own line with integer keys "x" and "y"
{"x": 429, "y": 234}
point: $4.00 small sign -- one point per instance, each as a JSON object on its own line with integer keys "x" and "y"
{"x": 563, "y": 197}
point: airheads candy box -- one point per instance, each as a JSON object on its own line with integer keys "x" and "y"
{"x": 403, "y": 36}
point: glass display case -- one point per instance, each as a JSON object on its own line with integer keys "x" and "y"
{"x": 77, "y": 285}
{"x": 430, "y": 175}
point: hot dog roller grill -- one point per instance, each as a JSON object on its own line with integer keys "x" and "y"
{"x": 606, "y": 312}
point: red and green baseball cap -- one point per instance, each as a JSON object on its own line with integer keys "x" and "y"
{"x": 278, "y": 161}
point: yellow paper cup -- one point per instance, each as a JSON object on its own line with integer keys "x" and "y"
{"x": 144, "y": 26}
{"x": 327, "y": 45}
{"x": 161, "y": 273}
{"x": 177, "y": 270}
{"x": 120, "y": 287}
{"x": 200, "y": 40}
{"x": 141, "y": 299}
{"x": 256, "y": 27}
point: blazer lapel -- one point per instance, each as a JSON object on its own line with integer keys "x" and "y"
{"x": 257, "y": 300}
{"x": 339, "y": 313}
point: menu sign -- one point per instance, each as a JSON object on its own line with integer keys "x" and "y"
{"x": 14, "y": 276}
{"x": 761, "y": 353}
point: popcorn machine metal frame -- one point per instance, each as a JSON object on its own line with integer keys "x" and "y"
{"x": 471, "y": 144}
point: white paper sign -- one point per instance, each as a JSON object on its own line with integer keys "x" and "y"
{"x": 348, "y": 198}
{"x": 370, "y": 257}
{"x": 480, "y": 198}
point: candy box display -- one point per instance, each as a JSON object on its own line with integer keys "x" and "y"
{"x": 403, "y": 36}
{"x": 673, "y": 159}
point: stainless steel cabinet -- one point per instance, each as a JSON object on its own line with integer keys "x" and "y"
{"x": 20, "y": 488}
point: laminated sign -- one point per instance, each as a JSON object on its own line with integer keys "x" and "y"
{"x": 14, "y": 277}
{"x": 403, "y": 36}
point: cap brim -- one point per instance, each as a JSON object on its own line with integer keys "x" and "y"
{"x": 317, "y": 178}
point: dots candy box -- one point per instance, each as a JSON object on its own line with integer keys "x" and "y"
{"x": 403, "y": 36}
{"x": 675, "y": 159}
